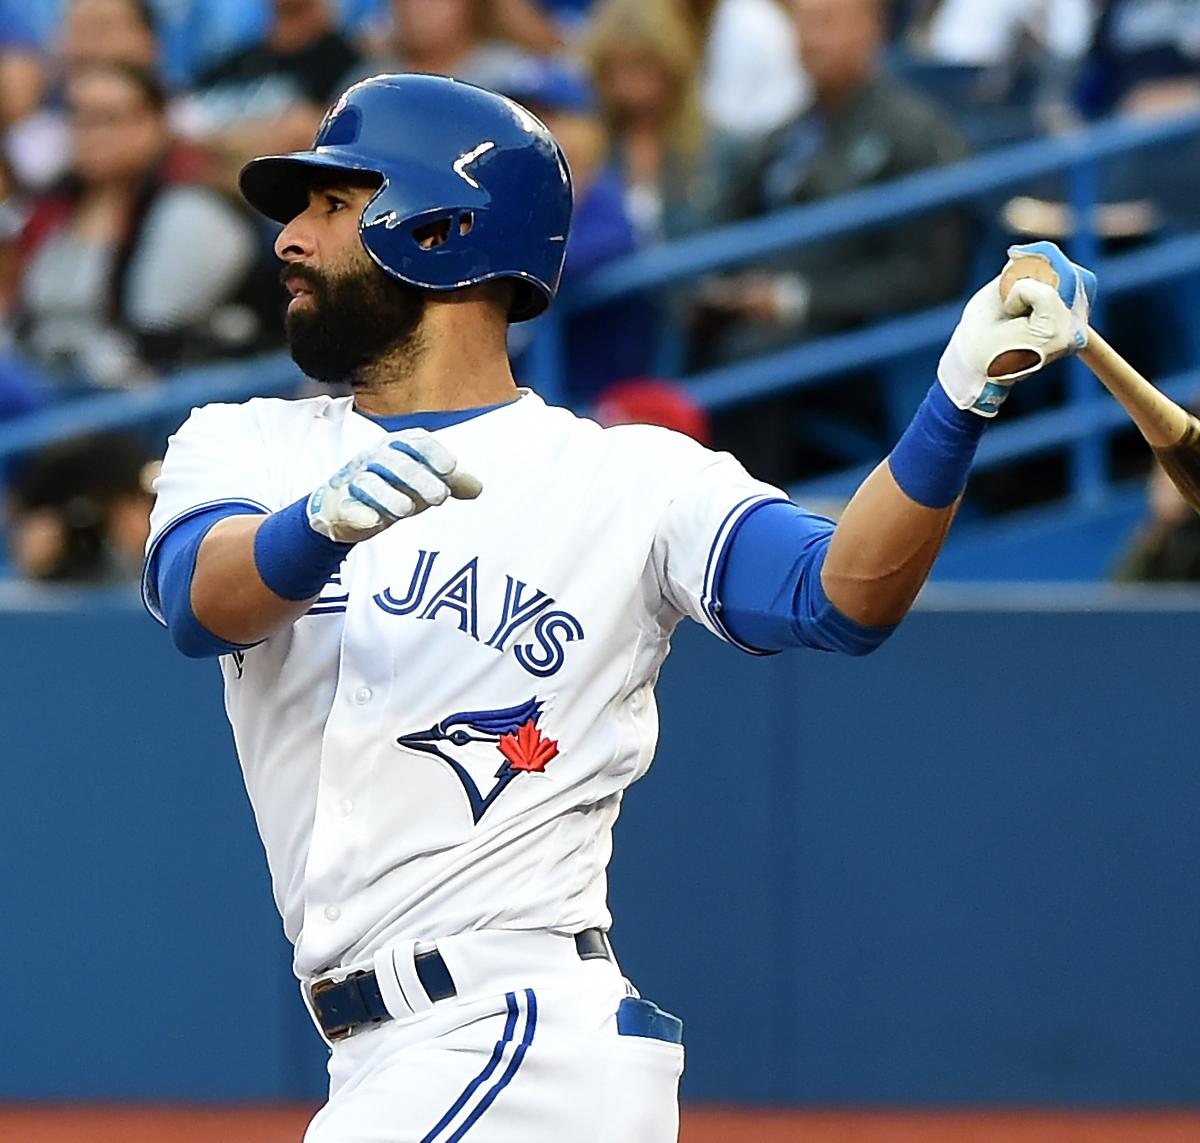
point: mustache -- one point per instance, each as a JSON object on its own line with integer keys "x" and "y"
{"x": 297, "y": 271}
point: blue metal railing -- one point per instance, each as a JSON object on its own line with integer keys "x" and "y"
{"x": 267, "y": 376}
{"x": 797, "y": 226}
{"x": 1078, "y": 154}
{"x": 1081, "y": 425}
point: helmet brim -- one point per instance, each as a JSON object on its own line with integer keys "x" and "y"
{"x": 277, "y": 185}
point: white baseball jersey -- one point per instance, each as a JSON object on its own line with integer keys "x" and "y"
{"x": 442, "y": 742}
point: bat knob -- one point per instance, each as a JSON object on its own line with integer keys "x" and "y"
{"x": 1027, "y": 266}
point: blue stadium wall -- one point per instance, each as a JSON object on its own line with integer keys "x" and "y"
{"x": 960, "y": 872}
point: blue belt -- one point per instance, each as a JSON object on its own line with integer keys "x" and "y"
{"x": 343, "y": 1006}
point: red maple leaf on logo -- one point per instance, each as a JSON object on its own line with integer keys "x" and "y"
{"x": 527, "y": 749}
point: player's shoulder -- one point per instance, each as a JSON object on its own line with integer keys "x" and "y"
{"x": 654, "y": 440}
{"x": 265, "y": 413}
{"x": 652, "y": 445}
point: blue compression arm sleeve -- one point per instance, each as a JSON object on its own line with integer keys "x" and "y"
{"x": 294, "y": 561}
{"x": 172, "y": 566}
{"x": 769, "y": 586}
{"x": 932, "y": 459}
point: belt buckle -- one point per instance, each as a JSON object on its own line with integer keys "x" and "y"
{"x": 338, "y": 1031}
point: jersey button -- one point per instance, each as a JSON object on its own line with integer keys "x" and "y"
{"x": 362, "y": 696}
{"x": 332, "y": 912}
{"x": 345, "y": 807}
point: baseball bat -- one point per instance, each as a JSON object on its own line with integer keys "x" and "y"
{"x": 1171, "y": 431}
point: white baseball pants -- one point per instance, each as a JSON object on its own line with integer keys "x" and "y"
{"x": 527, "y": 1052}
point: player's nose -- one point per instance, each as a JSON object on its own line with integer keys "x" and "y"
{"x": 294, "y": 241}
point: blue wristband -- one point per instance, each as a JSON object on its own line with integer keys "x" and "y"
{"x": 293, "y": 560}
{"x": 932, "y": 459}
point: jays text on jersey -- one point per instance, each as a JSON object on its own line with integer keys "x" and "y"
{"x": 442, "y": 742}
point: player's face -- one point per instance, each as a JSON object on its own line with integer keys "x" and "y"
{"x": 345, "y": 313}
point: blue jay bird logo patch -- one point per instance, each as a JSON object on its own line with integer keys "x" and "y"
{"x": 470, "y": 739}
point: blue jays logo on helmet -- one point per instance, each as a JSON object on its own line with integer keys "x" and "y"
{"x": 470, "y": 739}
{"x": 450, "y": 154}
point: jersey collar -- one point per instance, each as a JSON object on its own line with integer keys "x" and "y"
{"x": 433, "y": 419}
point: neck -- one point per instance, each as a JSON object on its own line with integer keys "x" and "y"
{"x": 435, "y": 61}
{"x": 644, "y": 152}
{"x": 458, "y": 359}
{"x": 290, "y": 40}
{"x": 833, "y": 96}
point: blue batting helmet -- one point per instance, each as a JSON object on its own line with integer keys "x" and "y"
{"x": 448, "y": 153}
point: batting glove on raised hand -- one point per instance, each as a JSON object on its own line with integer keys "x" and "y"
{"x": 1039, "y": 321}
{"x": 407, "y": 473}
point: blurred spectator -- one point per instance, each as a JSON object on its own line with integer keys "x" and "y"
{"x": 12, "y": 222}
{"x": 569, "y": 16}
{"x": 92, "y": 31}
{"x": 22, "y": 68}
{"x": 753, "y": 81}
{"x": 532, "y": 24}
{"x": 645, "y": 57}
{"x": 1005, "y": 68}
{"x": 21, "y": 389}
{"x": 1166, "y": 547}
{"x": 270, "y": 96}
{"x": 132, "y": 263}
{"x": 442, "y": 37}
{"x": 109, "y": 31}
{"x": 79, "y": 512}
{"x": 200, "y": 33}
{"x": 989, "y": 33}
{"x": 1144, "y": 58}
{"x": 1144, "y": 61}
{"x": 613, "y": 342}
{"x": 648, "y": 401}
{"x": 194, "y": 34}
{"x": 37, "y": 21}
{"x": 303, "y": 52}
{"x": 865, "y": 127}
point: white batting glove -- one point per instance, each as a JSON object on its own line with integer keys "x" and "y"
{"x": 1048, "y": 320}
{"x": 409, "y": 472}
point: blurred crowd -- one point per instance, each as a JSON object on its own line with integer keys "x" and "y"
{"x": 126, "y": 253}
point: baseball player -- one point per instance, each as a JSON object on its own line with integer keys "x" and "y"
{"x": 440, "y": 607}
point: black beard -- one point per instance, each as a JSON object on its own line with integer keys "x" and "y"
{"x": 350, "y": 322}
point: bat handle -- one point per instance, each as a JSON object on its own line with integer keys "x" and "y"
{"x": 1162, "y": 422}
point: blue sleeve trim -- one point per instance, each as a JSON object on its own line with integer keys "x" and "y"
{"x": 173, "y": 570}
{"x": 770, "y": 590}
{"x": 220, "y": 509}
{"x": 819, "y": 624}
{"x": 710, "y": 599}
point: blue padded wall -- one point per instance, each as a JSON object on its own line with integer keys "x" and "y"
{"x": 961, "y": 871}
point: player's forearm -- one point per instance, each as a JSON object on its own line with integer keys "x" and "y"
{"x": 249, "y": 576}
{"x": 882, "y": 551}
{"x": 229, "y": 597}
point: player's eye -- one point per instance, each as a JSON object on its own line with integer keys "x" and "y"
{"x": 460, "y": 738}
{"x": 334, "y": 203}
